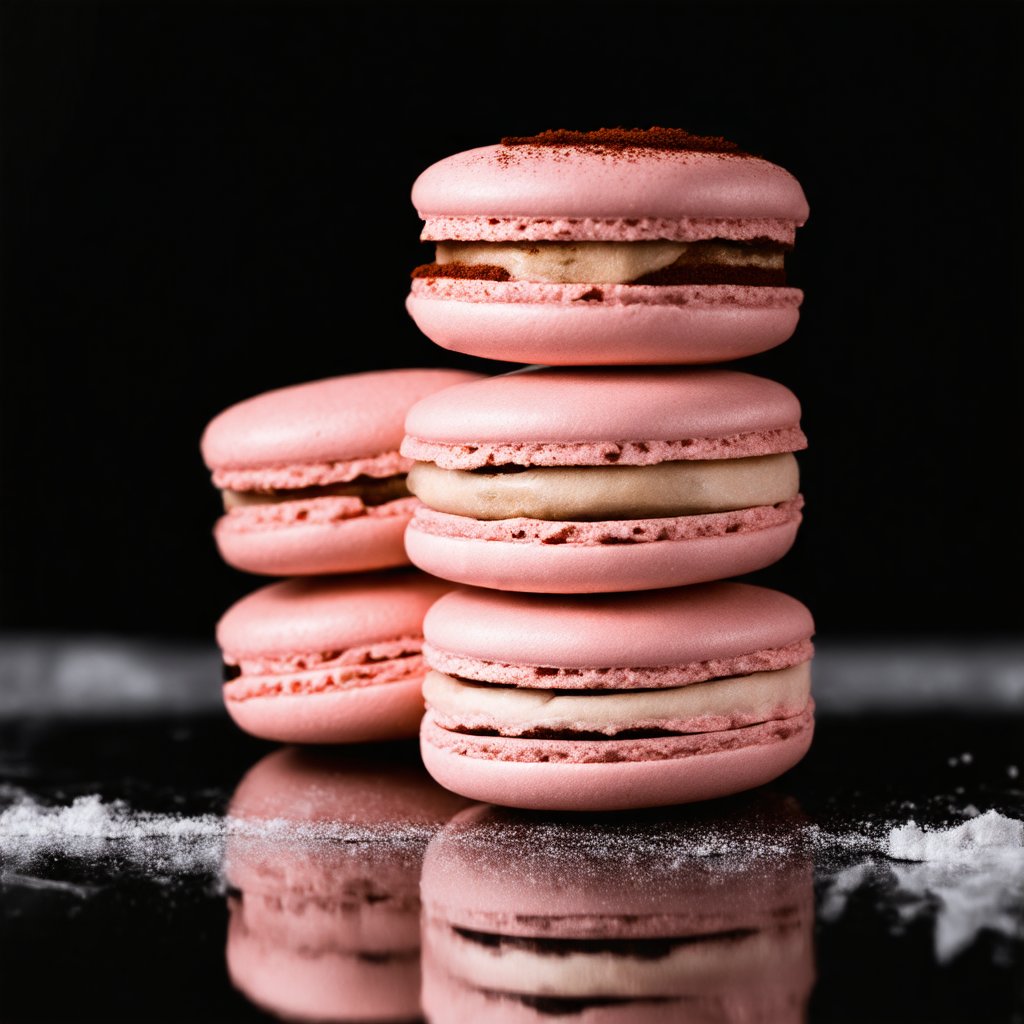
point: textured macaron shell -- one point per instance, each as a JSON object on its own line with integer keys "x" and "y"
{"x": 552, "y": 416}
{"x": 329, "y": 660}
{"x": 637, "y": 773}
{"x": 708, "y": 547}
{"x": 588, "y": 325}
{"x": 365, "y": 715}
{"x": 296, "y": 436}
{"x": 564, "y": 185}
{"x": 572, "y": 193}
{"x": 311, "y": 435}
{"x": 574, "y": 750}
{"x": 712, "y": 627}
{"x": 315, "y": 536}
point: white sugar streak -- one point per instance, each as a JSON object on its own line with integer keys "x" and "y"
{"x": 90, "y": 829}
{"x": 970, "y": 875}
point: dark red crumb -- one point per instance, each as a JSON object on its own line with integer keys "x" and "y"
{"x": 472, "y": 271}
{"x": 629, "y": 138}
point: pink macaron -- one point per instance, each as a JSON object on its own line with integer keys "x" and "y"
{"x": 323, "y": 861}
{"x": 615, "y": 701}
{"x": 551, "y": 480}
{"x": 609, "y": 247}
{"x": 328, "y": 659}
{"x": 533, "y": 919}
{"x": 311, "y": 475}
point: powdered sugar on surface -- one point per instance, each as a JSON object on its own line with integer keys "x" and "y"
{"x": 967, "y": 877}
{"x": 162, "y": 845}
{"x": 985, "y": 837}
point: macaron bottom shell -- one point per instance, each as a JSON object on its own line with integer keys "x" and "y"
{"x": 594, "y": 325}
{"x": 385, "y": 711}
{"x": 628, "y": 783}
{"x": 546, "y": 568}
{"x": 305, "y": 548}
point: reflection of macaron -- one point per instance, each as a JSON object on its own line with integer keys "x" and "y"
{"x": 615, "y": 701}
{"x": 328, "y": 659}
{"x": 589, "y": 248}
{"x": 577, "y": 481}
{"x": 311, "y": 475}
{"x": 529, "y": 919}
{"x": 326, "y": 929}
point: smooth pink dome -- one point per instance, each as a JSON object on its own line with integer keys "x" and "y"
{"x": 555, "y": 405}
{"x": 556, "y": 181}
{"x": 327, "y": 613}
{"x": 666, "y": 627}
{"x": 332, "y": 420}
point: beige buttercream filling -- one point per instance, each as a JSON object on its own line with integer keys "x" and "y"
{"x": 369, "y": 490}
{"x": 604, "y": 262}
{"x": 609, "y": 492}
{"x": 755, "y": 698}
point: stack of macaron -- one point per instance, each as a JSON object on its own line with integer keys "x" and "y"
{"x": 314, "y": 490}
{"x": 589, "y": 506}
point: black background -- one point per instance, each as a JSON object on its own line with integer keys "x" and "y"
{"x": 204, "y": 201}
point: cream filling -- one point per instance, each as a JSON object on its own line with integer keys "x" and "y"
{"x": 609, "y": 492}
{"x": 603, "y": 262}
{"x": 754, "y": 698}
{"x": 370, "y": 490}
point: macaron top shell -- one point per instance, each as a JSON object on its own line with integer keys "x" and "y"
{"x": 313, "y": 614}
{"x": 662, "y": 628}
{"x": 556, "y": 406}
{"x": 337, "y": 419}
{"x": 594, "y": 182}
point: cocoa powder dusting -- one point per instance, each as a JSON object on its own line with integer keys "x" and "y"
{"x": 466, "y": 271}
{"x": 611, "y": 140}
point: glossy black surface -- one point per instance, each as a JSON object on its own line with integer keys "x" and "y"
{"x": 107, "y": 937}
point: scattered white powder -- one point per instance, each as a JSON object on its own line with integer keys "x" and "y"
{"x": 91, "y": 829}
{"x": 969, "y": 876}
{"x": 987, "y": 835}
{"x": 973, "y": 872}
